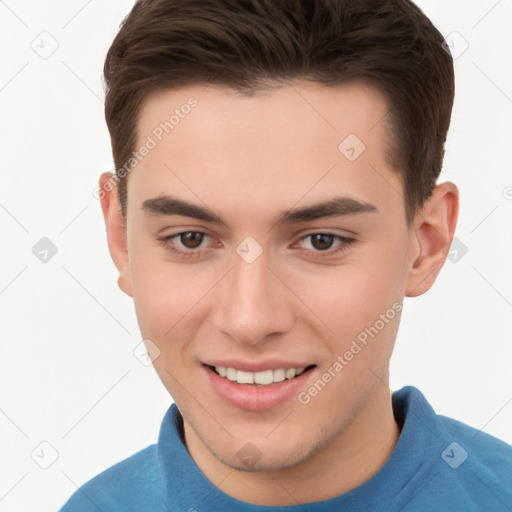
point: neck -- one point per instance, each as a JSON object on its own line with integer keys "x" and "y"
{"x": 349, "y": 461}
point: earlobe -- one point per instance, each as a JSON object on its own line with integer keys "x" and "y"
{"x": 116, "y": 231}
{"x": 434, "y": 228}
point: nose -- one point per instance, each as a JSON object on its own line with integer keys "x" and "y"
{"x": 252, "y": 303}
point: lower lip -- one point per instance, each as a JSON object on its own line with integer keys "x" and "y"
{"x": 256, "y": 398}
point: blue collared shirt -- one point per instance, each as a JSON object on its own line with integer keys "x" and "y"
{"x": 438, "y": 464}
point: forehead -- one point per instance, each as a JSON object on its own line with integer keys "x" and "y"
{"x": 273, "y": 146}
{"x": 337, "y": 110}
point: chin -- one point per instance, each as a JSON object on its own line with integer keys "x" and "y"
{"x": 263, "y": 460}
{"x": 264, "y": 455}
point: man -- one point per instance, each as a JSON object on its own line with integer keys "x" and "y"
{"x": 275, "y": 199}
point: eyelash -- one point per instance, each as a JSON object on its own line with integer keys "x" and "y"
{"x": 345, "y": 244}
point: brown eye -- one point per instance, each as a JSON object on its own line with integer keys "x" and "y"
{"x": 322, "y": 242}
{"x": 189, "y": 244}
{"x": 191, "y": 239}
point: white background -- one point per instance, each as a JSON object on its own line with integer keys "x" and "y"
{"x": 68, "y": 374}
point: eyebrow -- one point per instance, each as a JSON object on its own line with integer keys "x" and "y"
{"x": 336, "y": 207}
{"x": 167, "y": 205}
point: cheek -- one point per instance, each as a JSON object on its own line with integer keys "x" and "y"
{"x": 354, "y": 295}
{"x": 164, "y": 293}
{"x": 169, "y": 304}
{"x": 349, "y": 300}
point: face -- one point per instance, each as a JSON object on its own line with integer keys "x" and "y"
{"x": 262, "y": 244}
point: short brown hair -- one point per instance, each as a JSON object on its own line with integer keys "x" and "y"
{"x": 247, "y": 44}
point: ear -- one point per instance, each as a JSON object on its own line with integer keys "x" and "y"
{"x": 116, "y": 231}
{"x": 432, "y": 235}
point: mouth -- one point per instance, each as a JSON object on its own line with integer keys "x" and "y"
{"x": 261, "y": 378}
{"x": 257, "y": 391}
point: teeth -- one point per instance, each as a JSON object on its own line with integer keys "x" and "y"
{"x": 245, "y": 377}
{"x": 266, "y": 377}
{"x": 231, "y": 373}
{"x": 279, "y": 375}
{"x": 263, "y": 378}
{"x": 290, "y": 373}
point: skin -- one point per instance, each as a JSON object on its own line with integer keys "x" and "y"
{"x": 249, "y": 159}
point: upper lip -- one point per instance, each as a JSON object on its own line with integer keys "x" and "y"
{"x": 256, "y": 366}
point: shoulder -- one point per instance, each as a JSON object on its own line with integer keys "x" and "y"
{"x": 478, "y": 466}
{"x": 480, "y": 449}
{"x": 459, "y": 467}
{"x": 132, "y": 484}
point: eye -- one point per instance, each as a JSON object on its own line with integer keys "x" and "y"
{"x": 191, "y": 239}
{"x": 324, "y": 242}
{"x": 186, "y": 243}
{"x": 190, "y": 244}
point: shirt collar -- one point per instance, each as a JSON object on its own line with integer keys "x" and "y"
{"x": 186, "y": 487}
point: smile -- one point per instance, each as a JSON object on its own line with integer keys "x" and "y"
{"x": 262, "y": 378}
{"x": 271, "y": 385}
